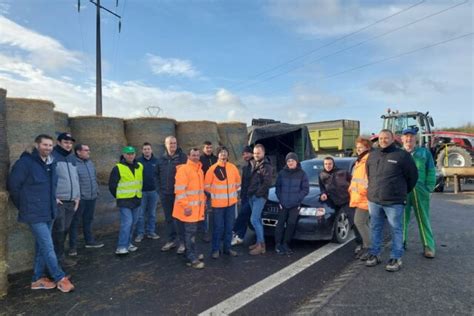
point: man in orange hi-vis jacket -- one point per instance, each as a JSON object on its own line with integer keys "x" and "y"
{"x": 222, "y": 181}
{"x": 190, "y": 203}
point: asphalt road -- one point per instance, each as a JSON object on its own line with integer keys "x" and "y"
{"x": 152, "y": 282}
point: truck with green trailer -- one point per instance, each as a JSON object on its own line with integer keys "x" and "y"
{"x": 335, "y": 137}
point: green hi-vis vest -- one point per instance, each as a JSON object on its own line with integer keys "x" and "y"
{"x": 129, "y": 185}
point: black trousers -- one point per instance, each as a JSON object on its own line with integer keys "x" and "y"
{"x": 174, "y": 227}
{"x": 286, "y": 217}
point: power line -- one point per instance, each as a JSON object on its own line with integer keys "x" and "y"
{"x": 394, "y": 57}
{"x": 328, "y": 44}
{"x": 352, "y": 46}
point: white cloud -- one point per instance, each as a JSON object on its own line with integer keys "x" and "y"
{"x": 42, "y": 50}
{"x": 171, "y": 66}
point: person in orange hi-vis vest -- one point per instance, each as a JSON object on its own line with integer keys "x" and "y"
{"x": 190, "y": 203}
{"x": 358, "y": 196}
{"x": 222, "y": 182}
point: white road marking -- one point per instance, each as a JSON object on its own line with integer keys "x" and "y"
{"x": 251, "y": 293}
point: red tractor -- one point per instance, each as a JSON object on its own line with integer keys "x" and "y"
{"x": 453, "y": 149}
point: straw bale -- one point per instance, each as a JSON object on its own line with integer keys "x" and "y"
{"x": 3, "y": 140}
{"x": 149, "y": 129}
{"x": 233, "y": 135}
{"x": 3, "y": 243}
{"x": 27, "y": 118}
{"x": 61, "y": 122}
{"x": 105, "y": 136}
{"x": 193, "y": 133}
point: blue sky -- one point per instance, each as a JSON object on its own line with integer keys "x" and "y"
{"x": 200, "y": 59}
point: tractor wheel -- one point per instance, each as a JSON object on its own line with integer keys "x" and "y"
{"x": 457, "y": 157}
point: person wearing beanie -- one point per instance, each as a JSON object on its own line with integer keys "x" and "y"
{"x": 292, "y": 185}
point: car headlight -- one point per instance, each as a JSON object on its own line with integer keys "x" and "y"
{"x": 312, "y": 211}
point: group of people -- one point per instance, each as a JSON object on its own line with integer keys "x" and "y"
{"x": 55, "y": 188}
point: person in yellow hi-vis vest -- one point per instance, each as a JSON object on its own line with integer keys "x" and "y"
{"x": 125, "y": 184}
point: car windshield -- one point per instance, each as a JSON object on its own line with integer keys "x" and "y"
{"x": 312, "y": 169}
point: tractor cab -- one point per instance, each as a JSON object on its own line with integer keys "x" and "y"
{"x": 397, "y": 122}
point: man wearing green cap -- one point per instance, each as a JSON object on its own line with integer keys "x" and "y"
{"x": 125, "y": 184}
{"x": 419, "y": 197}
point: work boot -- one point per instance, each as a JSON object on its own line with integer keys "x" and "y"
{"x": 428, "y": 253}
{"x": 279, "y": 249}
{"x": 196, "y": 264}
{"x": 236, "y": 240}
{"x": 287, "y": 250}
{"x": 215, "y": 255}
{"x": 253, "y": 246}
{"x": 258, "y": 250}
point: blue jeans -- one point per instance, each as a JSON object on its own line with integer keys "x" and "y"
{"x": 394, "y": 215}
{"x": 45, "y": 257}
{"x": 242, "y": 221}
{"x": 147, "y": 213}
{"x": 128, "y": 220}
{"x": 257, "y": 204}
{"x": 223, "y": 218}
{"x": 190, "y": 230}
{"x": 86, "y": 212}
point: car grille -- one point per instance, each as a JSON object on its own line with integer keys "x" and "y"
{"x": 271, "y": 209}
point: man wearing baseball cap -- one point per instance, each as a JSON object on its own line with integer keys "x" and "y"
{"x": 419, "y": 198}
{"x": 241, "y": 223}
{"x": 125, "y": 184}
{"x": 67, "y": 195}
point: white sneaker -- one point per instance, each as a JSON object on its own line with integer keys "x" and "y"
{"x": 139, "y": 238}
{"x": 132, "y": 248}
{"x": 121, "y": 251}
{"x": 236, "y": 241}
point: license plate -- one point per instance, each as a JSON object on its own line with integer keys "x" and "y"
{"x": 269, "y": 222}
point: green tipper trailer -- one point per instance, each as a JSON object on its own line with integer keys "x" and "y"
{"x": 334, "y": 137}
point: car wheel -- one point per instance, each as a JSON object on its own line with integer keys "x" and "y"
{"x": 342, "y": 228}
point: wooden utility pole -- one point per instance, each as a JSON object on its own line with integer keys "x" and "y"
{"x": 98, "y": 97}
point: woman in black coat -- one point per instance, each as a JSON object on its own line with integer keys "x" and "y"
{"x": 291, "y": 187}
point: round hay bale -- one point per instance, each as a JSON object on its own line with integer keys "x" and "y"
{"x": 26, "y": 119}
{"x": 193, "y": 133}
{"x": 3, "y": 140}
{"x": 105, "y": 136}
{"x": 61, "y": 122}
{"x": 233, "y": 135}
{"x": 149, "y": 129}
{"x": 3, "y": 243}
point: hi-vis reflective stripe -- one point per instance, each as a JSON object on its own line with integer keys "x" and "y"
{"x": 180, "y": 187}
{"x": 194, "y": 192}
{"x": 127, "y": 191}
{"x": 357, "y": 180}
{"x": 188, "y": 193}
{"x": 129, "y": 183}
{"x": 222, "y": 186}
{"x": 196, "y": 203}
{"x": 180, "y": 197}
{"x": 224, "y": 195}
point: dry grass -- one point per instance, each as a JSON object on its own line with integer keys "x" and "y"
{"x": 149, "y": 129}
{"x": 193, "y": 133}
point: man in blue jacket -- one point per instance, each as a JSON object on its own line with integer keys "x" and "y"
{"x": 68, "y": 194}
{"x": 292, "y": 185}
{"x": 32, "y": 185}
{"x": 89, "y": 191}
{"x": 147, "y": 211}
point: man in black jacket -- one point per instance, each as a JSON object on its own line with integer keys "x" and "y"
{"x": 260, "y": 183}
{"x": 241, "y": 223}
{"x": 207, "y": 159}
{"x": 392, "y": 174}
{"x": 166, "y": 172}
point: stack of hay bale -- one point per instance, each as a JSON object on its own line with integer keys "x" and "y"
{"x": 193, "y": 133}
{"x": 149, "y": 129}
{"x": 3, "y": 140}
{"x": 3, "y": 244}
{"x": 26, "y": 119}
{"x": 61, "y": 123}
{"x": 105, "y": 137}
